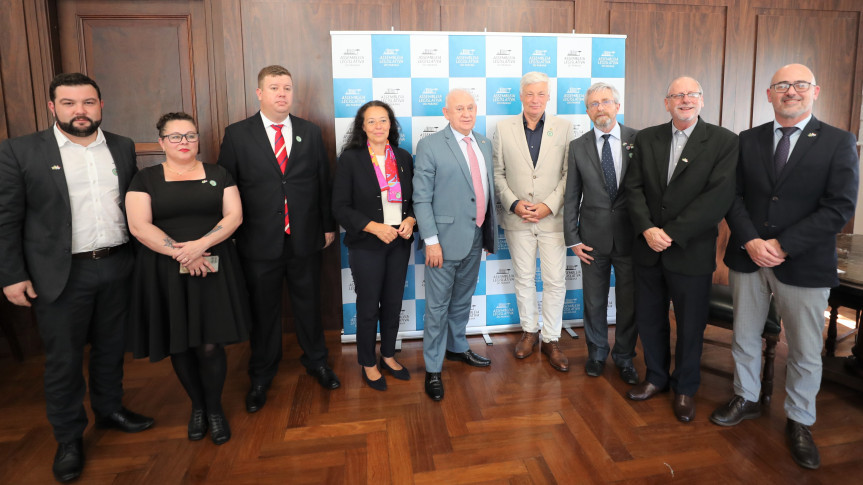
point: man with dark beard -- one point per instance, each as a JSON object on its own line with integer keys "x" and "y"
{"x": 64, "y": 241}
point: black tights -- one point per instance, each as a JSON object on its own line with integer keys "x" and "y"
{"x": 202, "y": 372}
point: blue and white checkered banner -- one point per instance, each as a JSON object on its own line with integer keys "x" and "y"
{"x": 413, "y": 72}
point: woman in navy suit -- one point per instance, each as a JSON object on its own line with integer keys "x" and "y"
{"x": 372, "y": 201}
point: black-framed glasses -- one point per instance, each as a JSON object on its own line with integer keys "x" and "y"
{"x": 799, "y": 86}
{"x": 191, "y": 137}
{"x": 680, "y": 96}
{"x": 605, "y": 102}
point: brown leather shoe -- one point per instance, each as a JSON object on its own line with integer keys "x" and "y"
{"x": 684, "y": 407}
{"x": 556, "y": 357}
{"x": 525, "y": 345}
{"x": 644, "y": 391}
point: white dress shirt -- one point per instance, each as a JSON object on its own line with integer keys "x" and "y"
{"x": 614, "y": 144}
{"x": 287, "y": 132}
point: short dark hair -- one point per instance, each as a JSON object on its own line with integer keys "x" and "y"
{"x": 71, "y": 79}
{"x": 176, "y": 116}
{"x": 274, "y": 70}
{"x": 357, "y": 137}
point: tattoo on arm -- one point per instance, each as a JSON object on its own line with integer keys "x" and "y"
{"x": 169, "y": 242}
{"x": 213, "y": 230}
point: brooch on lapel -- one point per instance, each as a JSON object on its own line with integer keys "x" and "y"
{"x": 812, "y": 135}
{"x": 629, "y": 147}
{"x": 57, "y": 167}
{"x": 114, "y": 171}
{"x": 684, "y": 160}
{"x": 549, "y": 133}
{"x": 299, "y": 140}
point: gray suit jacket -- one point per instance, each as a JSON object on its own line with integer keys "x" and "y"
{"x": 444, "y": 203}
{"x": 589, "y": 215}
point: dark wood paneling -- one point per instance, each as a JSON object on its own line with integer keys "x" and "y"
{"x": 507, "y": 16}
{"x": 18, "y": 90}
{"x": 665, "y": 42}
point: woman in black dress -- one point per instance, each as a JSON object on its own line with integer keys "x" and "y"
{"x": 372, "y": 201}
{"x": 190, "y": 298}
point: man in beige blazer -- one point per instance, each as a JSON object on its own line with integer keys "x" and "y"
{"x": 530, "y": 153}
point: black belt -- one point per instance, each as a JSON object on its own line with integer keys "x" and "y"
{"x": 99, "y": 253}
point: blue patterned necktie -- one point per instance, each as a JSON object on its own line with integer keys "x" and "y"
{"x": 608, "y": 169}
{"x": 783, "y": 149}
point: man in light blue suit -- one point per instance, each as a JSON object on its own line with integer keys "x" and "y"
{"x": 454, "y": 207}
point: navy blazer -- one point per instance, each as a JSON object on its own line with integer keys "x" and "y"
{"x": 357, "y": 196}
{"x": 689, "y": 207}
{"x": 35, "y": 213}
{"x": 246, "y": 153}
{"x": 803, "y": 208}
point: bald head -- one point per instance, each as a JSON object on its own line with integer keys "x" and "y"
{"x": 460, "y": 110}
{"x": 792, "y": 93}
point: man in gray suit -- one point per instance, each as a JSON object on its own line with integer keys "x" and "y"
{"x": 454, "y": 206}
{"x": 597, "y": 227}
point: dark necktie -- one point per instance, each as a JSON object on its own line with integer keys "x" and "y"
{"x": 608, "y": 168}
{"x": 783, "y": 149}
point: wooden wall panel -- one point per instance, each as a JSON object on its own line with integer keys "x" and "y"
{"x": 830, "y": 51}
{"x": 508, "y": 16}
{"x": 663, "y": 43}
{"x": 19, "y": 109}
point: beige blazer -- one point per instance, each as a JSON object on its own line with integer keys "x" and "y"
{"x": 515, "y": 177}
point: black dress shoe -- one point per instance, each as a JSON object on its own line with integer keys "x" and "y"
{"x": 628, "y": 374}
{"x": 735, "y": 411}
{"x": 469, "y": 358}
{"x": 434, "y": 386}
{"x": 220, "y": 432}
{"x": 644, "y": 391}
{"x": 197, "y": 425}
{"x": 326, "y": 377}
{"x": 69, "y": 460}
{"x": 803, "y": 448}
{"x": 256, "y": 398}
{"x": 684, "y": 407}
{"x": 124, "y": 420}
{"x": 401, "y": 374}
{"x": 379, "y": 385}
{"x": 594, "y": 368}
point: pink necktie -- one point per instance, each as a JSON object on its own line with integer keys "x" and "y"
{"x": 282, "y": 157}
{"x": 477, "y": 182}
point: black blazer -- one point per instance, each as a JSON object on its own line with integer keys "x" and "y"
{"x": 35, "y": 213}
{"x": 246, "y": 153}
{"x": 357, "y": 197}
{"x": 804, "y": 208}
{"x": 689, "y": 207}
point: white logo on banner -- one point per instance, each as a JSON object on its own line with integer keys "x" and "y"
{"x": 395, "y": 92}
{"x": 429, "y": 56}
{"x": 391, "y": 57}
{"x": 503, "y": 56}
{"x": 504, "y": 95}
{"x": 608, "y": 59}
{"x": 352, "y": 55}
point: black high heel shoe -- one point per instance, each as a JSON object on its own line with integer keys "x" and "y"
{"x": 401, "y": 374}
{"x": 378, "y": 385}
{"x": 220, "y": 432}
{"x": 197, "y": 425}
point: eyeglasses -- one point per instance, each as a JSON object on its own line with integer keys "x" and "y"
{"x": 680, "y": 96}
{"x": 605, "y": 102}
{"x": 799, "y": 86}
{"x": 191, "y": 137}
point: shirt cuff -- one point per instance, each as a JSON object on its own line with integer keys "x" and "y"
{"x": 512, "y": 207}
{"x": 431, "y": 240}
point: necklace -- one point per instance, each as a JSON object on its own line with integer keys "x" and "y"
{"x": 183, "y": 172}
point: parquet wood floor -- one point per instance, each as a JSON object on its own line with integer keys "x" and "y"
{"x": 517, "y": 422}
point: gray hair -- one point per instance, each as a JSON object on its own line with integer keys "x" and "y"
{"x": 599, "y": 86}
{"x": 668, "y": 89}
{"x": 532, "y": 77}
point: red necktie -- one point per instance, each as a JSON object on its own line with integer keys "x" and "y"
{"x": 282, "y": 157}
{"x": 476, "y": 177}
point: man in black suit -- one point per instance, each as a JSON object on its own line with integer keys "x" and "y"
{"x": 64, "y": 241}
{"x": 597, "y": 227}
{"x": 283, "y": 174}
{"x": 796, "y": 188}
{"x": 680, "y": 184}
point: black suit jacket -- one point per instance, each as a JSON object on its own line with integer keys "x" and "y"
{"x": 689, "y": 207}
{"x": 357, "y": 196}
{"x": 590, "y": 216}
{"x": 35, "y": 213}
{"x": 246, "y": 153}
{"x": 803, "y": 208}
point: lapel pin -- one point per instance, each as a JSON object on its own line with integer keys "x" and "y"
{"x": 299, "y": 140}
{"x": 812, "y": 135}
{"x": 684, "y": 160}
{"x": 55, "y": 167}
{"x": 549, "y": 133}
{"x": 213, "y": 183}
{"x": 114, "y": 171}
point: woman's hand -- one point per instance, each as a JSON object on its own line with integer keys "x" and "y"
{"x": 200, "y": 267}
{"x": 406, "y": 229}
{"x": 189, "y": 251}
{"x": 384, "y": 232}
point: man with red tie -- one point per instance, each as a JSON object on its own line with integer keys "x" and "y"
{"x": 282, "y": 172}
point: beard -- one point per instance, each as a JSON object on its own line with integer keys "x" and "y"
{"x": 70, "y": 128}
{"x": 603, "y": 121}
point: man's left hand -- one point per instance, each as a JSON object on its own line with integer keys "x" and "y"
{"x": 535, "y": 212}
{"x": 329, "y": 238}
